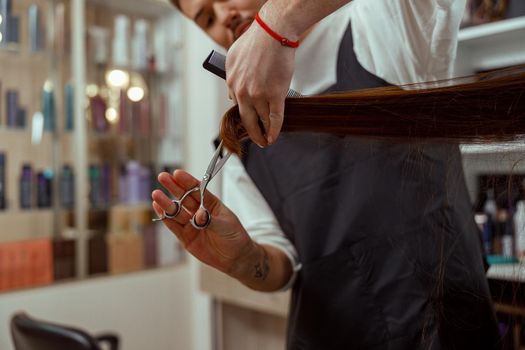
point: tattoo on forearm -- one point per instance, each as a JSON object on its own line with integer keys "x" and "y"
{"x": 262, "y": 268}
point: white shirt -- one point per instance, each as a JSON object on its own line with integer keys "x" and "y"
{"x": 400, "y": 41}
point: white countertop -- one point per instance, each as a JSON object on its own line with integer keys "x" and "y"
{"x": 508, "y": 272}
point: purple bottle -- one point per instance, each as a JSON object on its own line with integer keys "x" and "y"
{"x": 133, "y": 188}
{"x": 145, "y": 184}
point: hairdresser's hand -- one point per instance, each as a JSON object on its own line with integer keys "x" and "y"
{"x": 222, "y": 243}
{"x": 259, "y": 70}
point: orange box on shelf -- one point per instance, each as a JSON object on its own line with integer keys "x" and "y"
{"x": 26, "y": 264}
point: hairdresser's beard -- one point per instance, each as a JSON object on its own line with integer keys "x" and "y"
{"x": 241, "y": 27}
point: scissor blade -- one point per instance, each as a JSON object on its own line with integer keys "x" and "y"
{"x": 216, "y": 162}
{"x": 221, "y": 163}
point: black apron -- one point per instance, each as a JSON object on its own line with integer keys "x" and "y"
{"x": 385, "y": 232}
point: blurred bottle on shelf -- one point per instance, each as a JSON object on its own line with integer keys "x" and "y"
{"x": 45, "y": 188}
{"x": 67, "y": 187}
{"x": 3, "y": 188}
{"x": 139, "y": 45}
{"x": 26, "y": 187}
{"x": 36, "y": 29}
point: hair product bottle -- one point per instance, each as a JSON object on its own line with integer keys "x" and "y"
{"x": 2, "y": 181}
{"x": 26, "y": 187}
{"x": 120, "y": 42}
{"x": 67, "y": 187}
{"x": 69, "y": 110}
{"x": 48, "y": 106}
{"x": 36, "y": 30}
{"x": 44, "y": 189}
{"x": 11, "y": 99}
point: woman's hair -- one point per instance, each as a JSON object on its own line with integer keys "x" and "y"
{"x": 486, "y": 107}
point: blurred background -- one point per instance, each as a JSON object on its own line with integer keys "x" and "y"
{"x": 99, "y": 96}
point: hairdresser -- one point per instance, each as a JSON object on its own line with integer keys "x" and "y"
{"x": 376, "y": 240}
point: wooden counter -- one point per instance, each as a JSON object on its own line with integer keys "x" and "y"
{"x": 245, "y": 319}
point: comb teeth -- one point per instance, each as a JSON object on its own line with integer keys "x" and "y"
{"x": 293, "y": 93}
{"x": 216, "y": 63}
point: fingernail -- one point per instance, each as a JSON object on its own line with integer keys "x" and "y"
{"x": 270, "y": 140}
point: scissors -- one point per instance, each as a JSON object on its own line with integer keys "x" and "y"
{"x": 216, "y": 163}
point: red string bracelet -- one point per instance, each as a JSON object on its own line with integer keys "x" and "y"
{"x": 284, "y": 41}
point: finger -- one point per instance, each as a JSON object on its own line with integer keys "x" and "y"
{"x": 263, "y": 111}
{"x": 231, "y": 96}
{"x": 174, "y": 226}
{"x": 202, "y": 216}
{"x": 178, "y": 190}
{"x": 158, "y": 209}
{"x": 276, "y": 117}
{"x": 250, "y": 120}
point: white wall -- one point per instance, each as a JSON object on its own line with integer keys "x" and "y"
{"x": 149, "y": 310}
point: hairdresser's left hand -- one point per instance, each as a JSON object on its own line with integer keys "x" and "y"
{"x": 259, "y": 70}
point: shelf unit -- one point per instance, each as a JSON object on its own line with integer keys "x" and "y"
{"x": 493, "y": 32}
{"x": 147, "y": 8}
{"x": 27, "y": 72}
{"x": 510, "y": 147}
{"x": 83, "y": 16}
{"x": 489, "y": 46}
{"x": 509, "y": 272}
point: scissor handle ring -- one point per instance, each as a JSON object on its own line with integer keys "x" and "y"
{"x": 206, "y": 223}
{"x": 178, "y": 207}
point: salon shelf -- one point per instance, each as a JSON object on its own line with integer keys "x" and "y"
{"x": 491, "y": 45}
{"x": 148, "y": 8}
{"x": 18, "y": 141}
{"x": 507, "y": 272}
{"x": 493, "y": 148}
{"x": 481, "y": 34}
{"x": 26, "y": 224}
{"x": 164, "y": 269}
{"x": 22, "y": 56}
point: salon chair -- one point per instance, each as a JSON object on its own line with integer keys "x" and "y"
{"x": 31, "y": 334}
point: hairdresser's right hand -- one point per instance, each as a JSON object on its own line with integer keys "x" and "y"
{"x": 223, "y": 243}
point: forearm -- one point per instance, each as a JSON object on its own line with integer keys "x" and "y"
{"x": 263, "y": 268}
{"x": 292, "y": 18}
